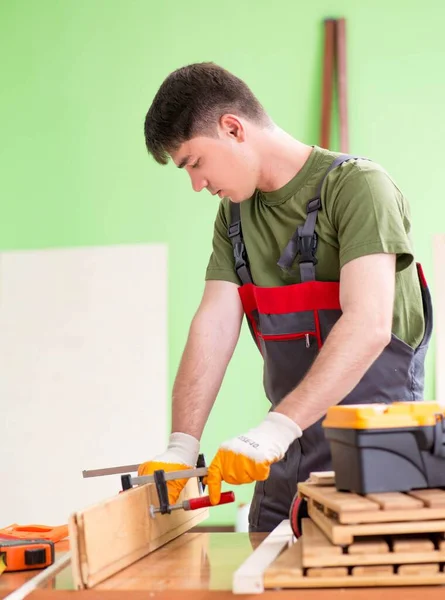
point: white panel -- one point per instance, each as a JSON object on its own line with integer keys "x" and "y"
{"x": 83, "y": 374}
{"x": 439, "y": 314}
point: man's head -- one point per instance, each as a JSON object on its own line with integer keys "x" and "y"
{"x": 207, "y": 120}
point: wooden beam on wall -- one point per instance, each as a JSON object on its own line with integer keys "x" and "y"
{"x": 439, "y": 314}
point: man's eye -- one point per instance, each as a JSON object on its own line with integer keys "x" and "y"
{"x": 195, "y": 165}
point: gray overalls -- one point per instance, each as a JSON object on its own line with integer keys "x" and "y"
{"x": 289, "y": 325}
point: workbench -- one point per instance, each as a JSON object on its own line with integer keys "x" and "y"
{"x": 197, "y": 565}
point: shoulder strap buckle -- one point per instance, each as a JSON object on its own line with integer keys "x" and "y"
{"x": 307, "y": 246}
{"x": 234, "y": 229}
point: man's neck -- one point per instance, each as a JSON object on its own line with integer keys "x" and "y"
{"x": 282, "y": 157}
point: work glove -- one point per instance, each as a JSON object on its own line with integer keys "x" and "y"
{"x": 182, "y": 453}
{"x": 248, "y": 457}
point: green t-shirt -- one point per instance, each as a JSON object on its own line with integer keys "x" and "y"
{"x": 363, "y": 212}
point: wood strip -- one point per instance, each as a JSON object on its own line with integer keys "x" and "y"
{"x": 432, "y": 497}
{"x": 322, "y": 478}
{"x": 344, "y": 534}
{"x": 372, "y": 571}
{"x": 412, "y": 544}
{"x": 328, "y": 70}
{"x": 368, "y": 546}
{"x": 337, "y": 501}
{"x": 342, "y": 85}
{"x": 248, "y": 579}
{"x": 418, "y": 570}
{"x": 325, "y": 572}
{"x": 113, "y": 534}
{"x": 388, "y": 516}
{"x": 395, "y": 501}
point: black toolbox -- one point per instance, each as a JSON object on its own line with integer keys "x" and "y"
{"x": 387, "y": 447}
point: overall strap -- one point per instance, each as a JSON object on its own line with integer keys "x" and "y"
{"x": 304, "y": 240}
{"x": 239, "y": 250}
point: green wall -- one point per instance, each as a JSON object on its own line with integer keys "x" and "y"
{"x": 77, "y": 79}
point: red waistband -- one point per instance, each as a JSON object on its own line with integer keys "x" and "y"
{"x": 312, "y": 295}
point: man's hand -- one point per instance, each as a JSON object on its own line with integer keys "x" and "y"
{"x": 248, "y": 457}
{"x": 182, "y": 453}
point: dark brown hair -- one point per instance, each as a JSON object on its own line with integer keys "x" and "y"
{"x": 190, "y": 102}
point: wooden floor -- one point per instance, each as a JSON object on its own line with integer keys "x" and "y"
{"x": 196, "y": 566}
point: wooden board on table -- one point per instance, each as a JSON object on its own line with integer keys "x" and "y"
{"x": 109, "y": 536}
{"x": 347, "y": 507}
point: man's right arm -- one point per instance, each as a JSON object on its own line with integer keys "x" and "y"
{"x": 212, "y": 339}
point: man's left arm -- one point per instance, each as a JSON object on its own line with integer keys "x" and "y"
{"x": 367, "y": 287}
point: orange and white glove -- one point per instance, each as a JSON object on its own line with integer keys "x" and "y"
{"x": 248, "y": 457}
{"x": 182, "y": 453}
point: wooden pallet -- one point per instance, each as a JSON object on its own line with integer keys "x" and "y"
{"x": 418, "y": 551}
{"x": 344, "y": 535}
{"x": 315, "y": 562}
{"x": 347, "y": 508}
{"x": 288, "y": 571}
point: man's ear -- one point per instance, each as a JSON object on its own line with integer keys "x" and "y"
{"x": 232, "y": 127}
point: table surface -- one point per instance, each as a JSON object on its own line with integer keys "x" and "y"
{"x": 196, "y": 565}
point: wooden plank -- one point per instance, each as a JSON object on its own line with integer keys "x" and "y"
{"x": 109, "y": 536}
{"x": 344, "y": 534}
{"x": 248, "y": 579}
{"x": 337, "y": 501}
{"x": 325, "y": 572}
{"x": 372, "y": 571}
{"x": 322, "y": 477}
{"x": 419, "y": 570}
{"x": 368, "y": 546}
{"x": 412, "y": 544}
{"x": 432, "y": 497}
{"x": 395, "y": 501}
{"x": 388, "y": 516}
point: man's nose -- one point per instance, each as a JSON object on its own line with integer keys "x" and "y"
{"x": 199, "y": 183}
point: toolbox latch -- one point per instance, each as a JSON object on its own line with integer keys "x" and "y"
{"x": 439, "y": 435}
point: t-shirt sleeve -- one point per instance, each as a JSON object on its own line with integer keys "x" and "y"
{"x": 370, "y": 215}
{"x": 221, "y": 263}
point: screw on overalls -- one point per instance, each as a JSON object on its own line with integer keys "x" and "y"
{"x": 289, "y": 325}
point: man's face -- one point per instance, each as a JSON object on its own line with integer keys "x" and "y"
{"x": 223, "y": 165}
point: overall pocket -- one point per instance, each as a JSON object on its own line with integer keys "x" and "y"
{"x": 287, "y": 359}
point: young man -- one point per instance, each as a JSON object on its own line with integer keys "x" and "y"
{"x": 314, "y": 247}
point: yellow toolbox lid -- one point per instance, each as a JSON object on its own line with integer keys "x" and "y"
{"x": 384, "y": 416}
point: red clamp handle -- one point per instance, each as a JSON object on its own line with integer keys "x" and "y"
{"x": 204, "y": 501}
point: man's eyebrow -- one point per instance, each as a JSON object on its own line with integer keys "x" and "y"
{"x": 184, "y": 161}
